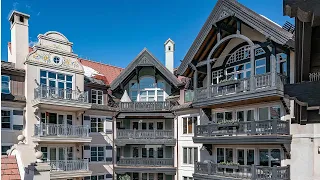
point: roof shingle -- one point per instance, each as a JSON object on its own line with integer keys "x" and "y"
{"x": 9, "y": 168}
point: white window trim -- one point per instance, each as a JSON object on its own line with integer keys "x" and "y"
{"x": 193, "y": 124}
{"x": 57, "y": 151}
{"x": 11, "y": 118}
{"x": 188, "y": 155}
{"x": 147, "y": 121}
{"x": 59, "y": 113}
{"x": 265, "y": 65}
{"x": 102, "y": 98}
{"x": 57, "y": 80}
{"x": 9, "y": 84}
{"x": 104, "y": 152}
{"x": 245, "y": 154}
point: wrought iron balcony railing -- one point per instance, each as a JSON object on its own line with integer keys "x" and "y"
{"x": 314, "y": 76}
{"x": 145, "y": 106}
{"x": 60, "y": 130}
{"x": 249, "y": 172}
{"x": 241, "y": 86}
{"x": 144, "y": 134}
{"x": 69, "y": 165}
{"x": 263, "y": 127}
{"x": 45, "y": 92}
{"x": 152, "y": 162}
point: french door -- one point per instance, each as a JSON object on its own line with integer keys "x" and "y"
{"x": 152, "y": 125}
{"x": 59, "y": 157}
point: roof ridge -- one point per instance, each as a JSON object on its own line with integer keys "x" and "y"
{"x": 100, "y": 63}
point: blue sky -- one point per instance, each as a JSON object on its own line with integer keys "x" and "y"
{"x": 115, "y": 31}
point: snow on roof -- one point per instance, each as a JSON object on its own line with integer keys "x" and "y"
{"x": 90, "y": 72}
{"x": 269, "y": 20}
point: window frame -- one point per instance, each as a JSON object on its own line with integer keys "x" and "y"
{"x": 97, "y": 96}
{"x": 11, "y": 119}
{"x": 97, "y": 124}
{"x": 9, "y": 83}
{"x": 57, "y": 80}
{"x": 194, "y": 119}
{"x": 192, "y": 155}
{"x": 97, "y": 151}
{"x": 260, "y": 66}
{"x": 5, "y": 145}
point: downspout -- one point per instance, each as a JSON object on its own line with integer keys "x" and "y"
{"x": 177, "y": 144}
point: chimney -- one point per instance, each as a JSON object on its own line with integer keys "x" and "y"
{"x": 19, "y": 38}
{"x": 169, "y": 50}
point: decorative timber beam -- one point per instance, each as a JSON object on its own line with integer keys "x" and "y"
{"x": 203, "y": 63}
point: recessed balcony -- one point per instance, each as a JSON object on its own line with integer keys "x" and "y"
{"x": 153, "y": 165}
{"x": 128, "y": 136}
{"x": 65, "y": 169}
{"x": 60, "y": 99}
{"x": 250, "y": 132}
{"x": 212, "y": 171}
{"x": 61, "y": 133}
{"x": 144, "y": 106}
{"x": 259, "y": 87}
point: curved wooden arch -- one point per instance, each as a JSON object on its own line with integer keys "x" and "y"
{"x": 240, "y": 36}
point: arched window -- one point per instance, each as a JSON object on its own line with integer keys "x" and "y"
{"x": 147, "y": 89}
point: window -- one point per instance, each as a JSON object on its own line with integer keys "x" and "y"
{"x": 56, "y": 80}
{"x": 96, "y": 124}
{"x": 224, "y": 155}
{"x": 5, "y": 84}
{"x": 269, "y": 157}
{"x": 5, "y": 119}
{"x": 147, "y": 90}
{"x": 217, "y": 76}
{"x": 189, "y": 124}
{"x": 96, "y": 96}
{"x": 56, "y": 59}
{"x": 190, "y": 155}
{"x": 98, "y": 177}
{"x": 222, "y": 117}
{"x": 238, "y": 72}
{"x": 97, "y": 153}
{"x": 21, "y": 19}
{"x": 187, "y": 178}
{"x": 188, "y": 96}
{"x": 160, "y": 152}
{"x": 4, "y": 149}
{"x": 267, "y": 113}
{"x": 261, "y": 66}
{"x": 282, "y": 63}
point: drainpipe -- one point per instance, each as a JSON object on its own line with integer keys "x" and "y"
{"x": 177, "y": 144}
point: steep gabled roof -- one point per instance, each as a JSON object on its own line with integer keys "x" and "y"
{"x": 226, "y": 8}
{"x": 144, "y": 58}
{"x": 9, "y": 168}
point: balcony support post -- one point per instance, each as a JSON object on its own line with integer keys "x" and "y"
{"x": 208, "y": 78}
{"x": 274, "y": 126}
{"x": 253, "y": 172}
{"x": 273, "y": 66}
{"x": 252, "y": 56}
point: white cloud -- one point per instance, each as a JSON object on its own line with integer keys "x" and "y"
{"x": 32, "y": 43}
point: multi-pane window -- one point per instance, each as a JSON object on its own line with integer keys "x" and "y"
{"x": 97, "y": 153}
{"x": 217, "y": 76}
{"x": 97, "y": 124}
{"x": 222, "y": 117}
{"x": 269, "y": 157}
{"x": 96, "y": 96}
{"x": 147, "y": 90}
{"x": 5, "y": 119}
{"x": 260, "y": 66}
{"x": 5, "y": 84}
{"x": 267, "y": 113}
{"x": 238, "y": 72}
{"x": 57, "y": 80}
{"x": 189, "y": 124}
{"x": 187, "y": 178}
{"x": 190, "y": 155}
{"x": 98, "y": 177}
{"x": 4, "y": 149}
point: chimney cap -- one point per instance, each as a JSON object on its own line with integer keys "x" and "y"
{"x": 14, "y": 12}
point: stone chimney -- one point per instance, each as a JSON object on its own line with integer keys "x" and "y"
{"x": 19, "y": 38}
{"x": 169, "y": 51}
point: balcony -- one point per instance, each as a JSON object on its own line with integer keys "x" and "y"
{"x": 259, "y": 87}
{"x": 152, "y": 165}
{"x": 69, "y": 169}
{"x": 249, "y": 172}
{"x": 128, "y": 136}
{"x": 145, "y": 106}
{"x": 60, "y": 99}
{"x": 61, "y": 133}
{"x": 252, "y": 132}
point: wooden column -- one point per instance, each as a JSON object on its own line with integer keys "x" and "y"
{"x": 306, "y": 50}
{"x": 208, "y": 78}
{"x": 195, "y": 79}
{"x": 252, "y": 62}
{"x": 273, "y": 66}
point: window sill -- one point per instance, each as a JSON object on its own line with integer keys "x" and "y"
{"x": 10, "y": 130}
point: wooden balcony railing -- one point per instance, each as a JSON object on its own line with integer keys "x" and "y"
{"x": 45, "y": 92}
{"x": 263, "y": 127}
{"x": 145, "y": 106}
{"x": 249, "y": 172}
{"x": 144, "y": 134}
{"x": 69, "y": 165}
{"x": 241, "y": 86}
{"x": 153, "y": 162}
{"x": 314, "y": 76}
{"x": 60, "y": 130}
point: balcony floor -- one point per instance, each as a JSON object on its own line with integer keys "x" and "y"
{"x": 61, "y": 139}
{"x": 167, "y": 142}
{"x": 145, "y": 169}
{"x": 58, "y": 104}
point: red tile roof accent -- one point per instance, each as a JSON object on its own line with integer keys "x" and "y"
{"x": 9, "y": 45}
{"x": 9, "y": 168}
{"x": 110, "y": 72}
